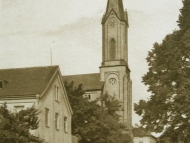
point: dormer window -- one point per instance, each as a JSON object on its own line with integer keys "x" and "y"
{"x": 1, "y": 84}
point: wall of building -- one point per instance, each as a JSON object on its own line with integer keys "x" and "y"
{"x": 51, "y": 134}
{"x": 121, "y": 89}
{"x": 48, "y": 101}
{"x": 92, "y": 95}
{"x": 144, "y": 140}
{"x": 13, "y": 105}
{"x": 18, "y": 104}
{"x": 115, "y": 29}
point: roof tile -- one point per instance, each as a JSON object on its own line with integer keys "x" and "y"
{"x": 25, "y": 81}
{"x": 90, "y": 81}
{"x": 140, "y": 133}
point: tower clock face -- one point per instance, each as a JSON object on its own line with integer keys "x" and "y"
{"x": 112, "y": 22}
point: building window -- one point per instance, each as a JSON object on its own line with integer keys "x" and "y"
{"x": 47, "y": 123}
{"x": 112, "y": 81}
{"x": 18, "y": 108}
{"x": 57, "y": 121}
{"x": 1, "y": 84}
{"x": 89, "y": 97}
{"x": 112, "y": 50}
{"x": 56, "y": 93}
{"x": 65, "y": 124}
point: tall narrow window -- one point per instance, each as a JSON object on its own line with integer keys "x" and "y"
{"x": 112, "y": 50}
{"x": 56, "y": 121}
{"x": 56, "y": 93}
{"x": 47, "y": 117}
{"x": 65, "y": 124}
{"x": 1, "y": 84}
{"x": 89, "y": 97}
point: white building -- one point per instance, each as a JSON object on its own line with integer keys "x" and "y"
{"x": 41, "y": 87}
{"x": 140, "y": 136}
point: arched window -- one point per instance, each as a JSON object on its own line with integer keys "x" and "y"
{"x": 112, "y": 50}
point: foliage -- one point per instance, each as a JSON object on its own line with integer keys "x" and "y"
{"x": 168, "y": 108}
{"x": 94, "y": 123}
{"x": 15, "y": 127}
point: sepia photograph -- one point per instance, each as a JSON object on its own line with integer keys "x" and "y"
{"x": 94, "y": 71}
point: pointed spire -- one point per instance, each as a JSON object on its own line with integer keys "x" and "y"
{"x": 117, "y": 7}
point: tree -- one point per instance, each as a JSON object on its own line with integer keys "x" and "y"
{"x": 168, "y": 80}
{"x": 15, "y": 127}
{"x": 94, "y": 123}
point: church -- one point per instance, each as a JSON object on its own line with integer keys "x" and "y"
{"x": 43, "y": 87}
{"x": 114, "y": 77}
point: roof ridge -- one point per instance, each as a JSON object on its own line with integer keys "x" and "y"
{"x": 28, "y": 67}
{"x": 81, "y": 74}
{"x": 141, "y": 130}
{"x": 144, "y": 132}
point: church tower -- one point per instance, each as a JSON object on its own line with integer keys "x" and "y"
{"x": 114, "y": 70}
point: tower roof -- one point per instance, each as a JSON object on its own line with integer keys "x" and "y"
{"x": 117, "y": 7}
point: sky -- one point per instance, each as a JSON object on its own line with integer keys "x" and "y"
{"x": 72, "y": 29}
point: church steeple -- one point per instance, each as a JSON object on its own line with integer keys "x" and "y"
{"x": 114, "y": 71}
{"x": 117, "y": 7}
{"x": 115, "y": 34}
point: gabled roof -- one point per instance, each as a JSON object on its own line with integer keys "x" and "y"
{"x": 26, "y": 81}
{"x": 91, "y": 82}
{"x": 117, "y": 7}
{"x": 140, "y": 133}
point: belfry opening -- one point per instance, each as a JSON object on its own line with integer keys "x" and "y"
{"x": 112, "y": 51}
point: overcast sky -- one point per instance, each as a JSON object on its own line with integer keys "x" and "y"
{"x": 72, "y": 28}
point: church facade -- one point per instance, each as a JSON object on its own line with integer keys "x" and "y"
{"x": 114, "y": 77}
